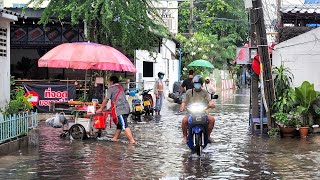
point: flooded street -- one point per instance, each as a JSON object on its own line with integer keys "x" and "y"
{"x": 159, "y": 154}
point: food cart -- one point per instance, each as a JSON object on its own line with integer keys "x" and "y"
{"x": 84, "y": 123}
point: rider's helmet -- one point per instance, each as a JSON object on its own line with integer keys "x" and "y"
{"x": 197, "y": 82}
{"x": 160, "y": 74}
{"x": 197, "y": 79}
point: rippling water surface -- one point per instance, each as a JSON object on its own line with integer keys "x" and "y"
{"x": 159, "y": 154}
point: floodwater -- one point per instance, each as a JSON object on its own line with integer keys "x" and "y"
{"x": 159, "y": 154}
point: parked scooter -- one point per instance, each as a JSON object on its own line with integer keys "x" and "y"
{"x": 148, "y": 102}
{"x": 198, "y": 127}
{"x": 175, "y": 95}
{"x": 137, "y": 109}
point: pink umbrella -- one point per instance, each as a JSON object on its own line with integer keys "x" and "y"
{"x": 83, "y": 55}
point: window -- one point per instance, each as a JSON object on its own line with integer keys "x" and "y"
{"x": 147, "y": 69}
{"x": 16, "y": 5}
{"x": 3, "y": 42}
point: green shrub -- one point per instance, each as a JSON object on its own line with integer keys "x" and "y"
{"x": 18, "y": 103}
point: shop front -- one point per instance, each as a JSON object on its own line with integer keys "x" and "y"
{"x": 29, "y": 41}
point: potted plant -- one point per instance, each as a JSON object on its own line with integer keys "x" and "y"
{"x": 305, "y": 97}
{"x": 274, "y": 132}
{"x": 286, "y": 124}
{"x": 316, "y": 113}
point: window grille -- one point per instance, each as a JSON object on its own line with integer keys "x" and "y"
{"x": 3, "y": 42}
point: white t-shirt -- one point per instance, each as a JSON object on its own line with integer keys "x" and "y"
{"x": 209, "y": 88}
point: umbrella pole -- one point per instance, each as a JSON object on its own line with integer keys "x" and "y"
{"x": 85, "y": 86}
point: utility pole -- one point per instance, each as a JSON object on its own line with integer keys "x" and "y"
{"x": 254, "y": 88}
{"x": 191, "y": 18}
{"x": 279, "y": 24}
{"x": 260, "y": 30}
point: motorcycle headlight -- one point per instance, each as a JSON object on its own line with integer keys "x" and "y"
{"x": 197, "y": 108}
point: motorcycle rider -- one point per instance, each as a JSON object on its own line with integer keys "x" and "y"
{"x": 187, "y": 83}
{"x": 196, "y": 95}
{"x": 159, "y": 92}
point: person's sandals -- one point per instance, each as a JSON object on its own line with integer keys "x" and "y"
{"x": 184, "y": 141}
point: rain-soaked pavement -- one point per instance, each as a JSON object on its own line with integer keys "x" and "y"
{"x": 159, "y": 154}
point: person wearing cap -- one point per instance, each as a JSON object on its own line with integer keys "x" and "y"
{"x": 159, "y": 92}
{"x": 187, "y": 83}
{"x": 208, "y": 86}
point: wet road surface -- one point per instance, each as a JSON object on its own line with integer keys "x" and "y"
{"x": 159, "y": 154}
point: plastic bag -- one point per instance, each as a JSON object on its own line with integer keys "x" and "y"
{"x": 62, "y": 118}
{"x": 56, "y": 121}
{"x": 90, "y": 110}
{"x": 49, "y": 121}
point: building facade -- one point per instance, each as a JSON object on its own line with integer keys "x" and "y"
{"x": 301, "y": 55}
{"x": 149, "y": 64}
{"x": 5, "y": 18}
{"x": 19, "y": 3}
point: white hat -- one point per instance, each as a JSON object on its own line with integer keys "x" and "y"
{"x": 207, "y": 78}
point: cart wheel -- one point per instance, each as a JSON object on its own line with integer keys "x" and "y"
{"x": 63, "y": 135}
{"x": 77, "y": 132}
{"x": 99, "y": 133}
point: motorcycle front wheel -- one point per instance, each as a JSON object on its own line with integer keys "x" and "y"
{"x": 198, "y": 148}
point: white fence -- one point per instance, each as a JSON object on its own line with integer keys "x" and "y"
{"x": 17, "y": 125}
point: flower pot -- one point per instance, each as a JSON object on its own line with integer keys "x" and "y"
{"x": 303, "y": 132}
{"x": 287, "y": 131}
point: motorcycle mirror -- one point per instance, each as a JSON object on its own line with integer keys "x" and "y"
{"x": 215, "y": 96}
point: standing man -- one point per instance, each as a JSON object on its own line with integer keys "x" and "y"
{"x": 209, "y": 87}
{"x": 159, "y": 92}
{"x": 117, "y": 95}
{"x": 187, "y": 83}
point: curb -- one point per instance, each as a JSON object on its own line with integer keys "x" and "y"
{"x": 32, "y": 139}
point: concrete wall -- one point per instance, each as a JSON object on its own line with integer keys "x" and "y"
{"x": 23, "y": 142}
{"x": 301, "y": 55}
{"x": 5, "y": 66}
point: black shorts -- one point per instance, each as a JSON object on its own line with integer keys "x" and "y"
{"x": 122, "y": 121}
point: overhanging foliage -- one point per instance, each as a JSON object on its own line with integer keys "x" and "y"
{"x": 128, "y": 24}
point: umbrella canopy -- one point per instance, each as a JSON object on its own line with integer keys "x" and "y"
{"x": 83, "y": 55}
{"x": 201, "y": 63}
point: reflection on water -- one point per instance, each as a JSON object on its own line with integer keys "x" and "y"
{"x": 159, "y": 154}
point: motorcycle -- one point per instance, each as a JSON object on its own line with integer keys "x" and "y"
{"x": 137, "y": 109}
{"x": 148, "y": 102}
{"x": 198, "y": 123}
{"x": 175, "y": 95}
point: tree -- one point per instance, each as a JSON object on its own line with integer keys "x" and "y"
{"x": 217, "y": 17}
{"x": 207, "y": 47}
{"x": 125, "y": 24}
{"x": 220, "y": 26}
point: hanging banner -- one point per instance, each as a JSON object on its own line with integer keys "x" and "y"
{"x": 262, "y": 89}
{"x": 41, "y": 95}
